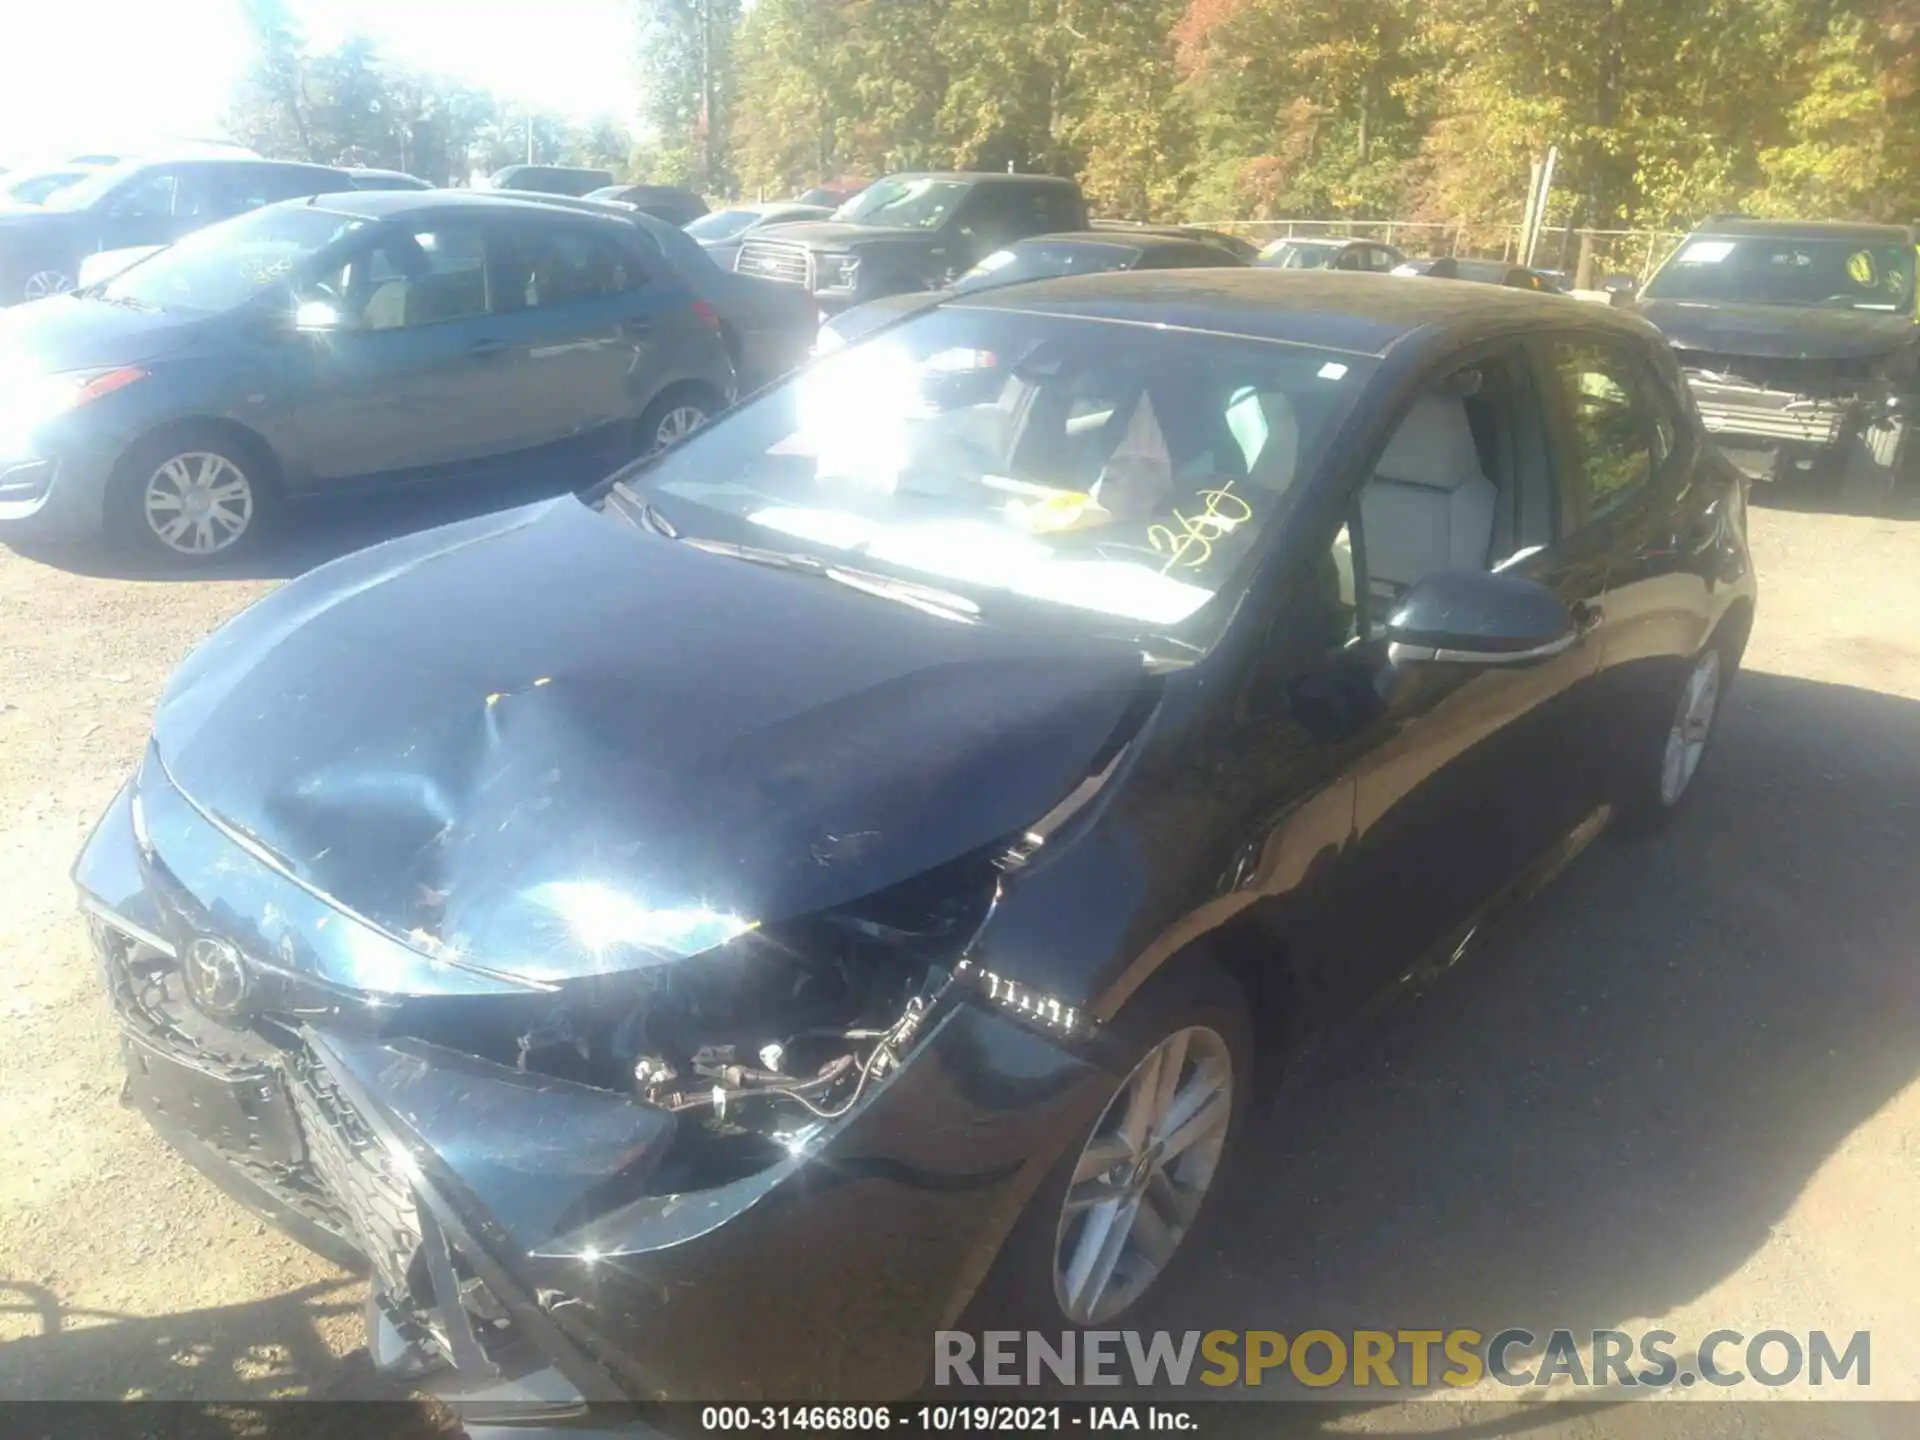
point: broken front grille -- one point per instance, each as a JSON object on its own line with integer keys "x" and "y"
{"x": 775, "y": 260}
{"x": 356, "y": 1169}
{"x": 1768, "y": 398}
{"x": 1783, "y": 373}
{"x": 1810, "y": 422}
{"x": 149, "y": 999}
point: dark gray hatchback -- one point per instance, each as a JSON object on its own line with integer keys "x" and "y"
{"x": 317, "y": 345}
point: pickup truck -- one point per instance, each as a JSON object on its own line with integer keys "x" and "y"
{"x": 911, "y": 232}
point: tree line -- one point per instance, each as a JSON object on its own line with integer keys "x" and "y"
{"x": 351, "y": 105}
{"x": 1409, "y": 109}
{"x": 1663, "y": 110}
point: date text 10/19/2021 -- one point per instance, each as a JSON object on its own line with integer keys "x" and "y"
{"x": 944, "y": 1419}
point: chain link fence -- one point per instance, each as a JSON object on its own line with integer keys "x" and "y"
{"x": 1585, "y": 257}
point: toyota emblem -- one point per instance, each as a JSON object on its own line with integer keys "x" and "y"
{"x": 216, "y": 977}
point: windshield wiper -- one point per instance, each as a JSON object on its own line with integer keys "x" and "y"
{"x": 642, "y": 512}
{"x": 933, "y": 600}
{"x": 125, "y": 302}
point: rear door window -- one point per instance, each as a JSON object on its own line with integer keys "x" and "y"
{"x": 1610, "y": 426}
{"x": 146, "y": 196}
{"x": 236, "y": 189}
{"x": 1056, "y": 209}
{"x": 550, "y": 265}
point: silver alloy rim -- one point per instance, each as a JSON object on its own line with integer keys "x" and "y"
{"x": 198, "y": 503}
{"x": 1692, "y": 723}
{"x": 43, "y": 283}
{"x": 677, "y": 424}
{"x": 1140, "y": 1180}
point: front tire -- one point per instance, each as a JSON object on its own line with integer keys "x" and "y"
{"x": 1871, "y": 467}
{"x": 1112, "y": 1228}
{"x": 192, "y": 496}
{"x": 673, "y": 417}
{"x": 1665, "y": 762}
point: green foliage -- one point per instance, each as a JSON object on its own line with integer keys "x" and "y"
{"x": 686, "y": 54}
{"x": 352, "y": 106}
{"x": 1421, "y": 109}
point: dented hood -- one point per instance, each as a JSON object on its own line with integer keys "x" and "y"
{"x": 549, "y": 744}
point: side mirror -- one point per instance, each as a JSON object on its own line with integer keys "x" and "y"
{"x": 1471, "y": 617}
{"x": 1620, "y": 288}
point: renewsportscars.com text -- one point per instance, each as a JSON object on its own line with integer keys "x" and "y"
{"x": 1317, "y": 1359}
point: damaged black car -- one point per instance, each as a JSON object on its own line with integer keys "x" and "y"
{"x": 1800, "y": 343}
{"x": 696, "y": 938}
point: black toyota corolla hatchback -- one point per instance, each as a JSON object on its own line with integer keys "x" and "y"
{"x": 694, "y": 938}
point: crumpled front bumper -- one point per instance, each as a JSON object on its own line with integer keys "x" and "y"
{"x": 515, "y": 1246}
{"x": 1769, "y": 432}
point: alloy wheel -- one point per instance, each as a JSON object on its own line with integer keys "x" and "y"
{"x": 1692, "y": 724}
{"x": 198, "y": 504}
{"x": 1142, "y": 1177}
{"x": 677, "y": 424}
{"x": 43, "y": 283}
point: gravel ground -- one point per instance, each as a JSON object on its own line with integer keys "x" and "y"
{"x": 1679, "y": 1089}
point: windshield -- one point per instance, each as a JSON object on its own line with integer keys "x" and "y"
{"x": 84, "y": 193}
{"x": 1298, "y": 255}
{"x": 721, "y": 224}
{"x": 1838, "y": 273}
{"x": 918, "y": 204}
{"x": 1127, "y": 475}
{"x": 36, "y": 188}
{"x": 1038, "y": 261}
{"x": 224, "y": 266}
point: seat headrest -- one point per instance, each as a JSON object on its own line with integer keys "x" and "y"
{"x": 1277, "y": 463}
{"x": 1433, "y": 446}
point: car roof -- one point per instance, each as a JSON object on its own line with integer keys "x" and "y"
{"x": 1360, "y": 313}
{"x": 971, "y": 176}
{"x": 1735, "y": 228}
{"x": 380, "y": 204}
{"x": 1140, "y": 239}
{"x": 215, "y": 157}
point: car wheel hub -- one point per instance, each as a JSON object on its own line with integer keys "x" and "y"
{"x": 1692, "y": 724}
{"x": 198, "y": 504}
{"x": 679, "y": 423}
{"x": 43, "y": 283}
{"x": 1141, "y": 1178}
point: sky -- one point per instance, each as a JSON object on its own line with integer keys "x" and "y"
{"x": 119, "y": 74}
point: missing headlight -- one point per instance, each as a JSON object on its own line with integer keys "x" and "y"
{"x": 752, "y": 1043}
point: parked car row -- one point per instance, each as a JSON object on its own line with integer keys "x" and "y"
{"x": 1071, "y": 253}
{"x": 364, "y": 338}
{"x": 357, "y": 338}
{"x": 151, "y": 202}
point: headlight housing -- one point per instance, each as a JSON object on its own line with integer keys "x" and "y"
{"x": 29, "y": 400}
{"x": 837, "y": 272}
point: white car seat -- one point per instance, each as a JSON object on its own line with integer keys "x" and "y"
{"x": 1428, "y": 508}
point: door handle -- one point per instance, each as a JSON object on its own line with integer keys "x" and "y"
{"x": 486, "y": 348}
{"x": 636, "y": 326}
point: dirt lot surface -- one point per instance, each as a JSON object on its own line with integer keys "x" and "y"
{"x": 1681, "y": 1088}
